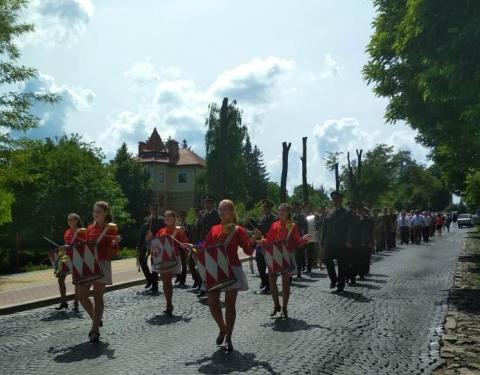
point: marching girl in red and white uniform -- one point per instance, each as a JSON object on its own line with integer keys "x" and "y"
{"x": 104, "y": 234}
{"x": 74, "y": 233}
{"x": 231, "y": 235}
{"x": 178, "y": 233}
{"x": 286, "y": 230}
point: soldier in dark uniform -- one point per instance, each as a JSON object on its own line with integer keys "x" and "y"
{"x": 354, "y": 239}
{"x": 334, "y": 239}
{"x": 264, "y": 224}
{"x": 388, "y": 228}
{"x": 182, "y": 277}
{"x": 208, "y": 218}
{"x": 299, "y": 218}
{"x": 319, "y": 217}
{"x": 366, "y": 242}
{"x": 150, "y": 227}
{"x": 191, "y": 231}
{"x": 379, "y": 230}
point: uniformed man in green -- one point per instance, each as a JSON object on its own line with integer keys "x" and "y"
{"x": 334, "y": 239}
{"x": 207, "y": 219}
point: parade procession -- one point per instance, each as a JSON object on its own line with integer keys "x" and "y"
{"x": 342, "y": 241}
{"x": 239, "y": 187}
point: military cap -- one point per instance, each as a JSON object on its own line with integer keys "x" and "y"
{"x": 208, "y": 197}
{"x": 334, "y": 194}
{"x": 267, "y": 202}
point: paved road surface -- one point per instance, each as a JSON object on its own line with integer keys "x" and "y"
{"x": 388, "y": 324}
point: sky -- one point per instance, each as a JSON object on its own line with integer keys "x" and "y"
{"x": 294, "y": 67}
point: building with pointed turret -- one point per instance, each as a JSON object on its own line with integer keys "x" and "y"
{"x": 173, "y": 170}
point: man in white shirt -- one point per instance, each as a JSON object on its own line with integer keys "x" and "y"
{"x": 403, "y": 222}
{"x": 417, "y": 226}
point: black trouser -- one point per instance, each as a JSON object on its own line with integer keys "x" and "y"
{"x": 193, "y": 270}
{"x": 404, "y": 235}
{"x": 142, "y": 260}
{"x": 426, "y": 234}
{"x": 300, "y": 259}
{"x": 182, "y": 277}
{"x": 262, "y": 267}
{"x": 417, "y": 234}
{"x": 353, "y": 260}
{"x": 311, "y": 253}
{"x": 364, "y": 261}
{"x": 338, "y": 254}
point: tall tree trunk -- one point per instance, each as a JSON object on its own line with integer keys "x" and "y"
{"x": 359, "y": 164}
{"x": 283, "y": 182}
{"x": 304, "y": 171}
{"x": 337, "y": 179}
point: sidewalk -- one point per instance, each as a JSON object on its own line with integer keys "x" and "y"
{"x": 23, "y": 291}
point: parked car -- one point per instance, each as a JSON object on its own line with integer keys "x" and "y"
{"x": 465, "y": 220}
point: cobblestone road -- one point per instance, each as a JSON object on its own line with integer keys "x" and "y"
{"x": 388, "y": 324}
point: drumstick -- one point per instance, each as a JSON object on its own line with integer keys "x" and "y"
{"x": 49, "y": 240}
{"x": 193, "y": 250}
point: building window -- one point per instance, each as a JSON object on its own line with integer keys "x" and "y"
{"x": 182, "y": 177}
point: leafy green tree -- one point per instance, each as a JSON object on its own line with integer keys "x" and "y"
{"x": 273, "y": 192}
{"x": 52, "y": 178}
{"x": 224, "y": 141}
{"x": 424, "y": 58}
{"x": 256, "y": 173}
{"x": 472, "y": 190}
{"x": 392, "y": 179}
{"x": 317, "y": 196}
{"x": 14, "y": 104}
{"x": 134, "y": 181}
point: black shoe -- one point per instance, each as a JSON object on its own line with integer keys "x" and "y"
{"x": 262, "y": 285}
{"x": 276, "y": 310}
{"x": 265, "y": 291}
{"x": 299, "y": 275}
{"x": 195, "y": 285}
{"x": 168, "y": 310}
{"x": 101, "y": 323}
{"x": 177, "y": 280}
{"x": 284, "y": 314}
{"x": 63, "y": 305}
{"x": 94, "y": 336}
{"x": 148, "y": 285}
{"x": 228, "y": 345}
{"x": 333, "y": 284}
{"x": 220, "y": 338}
{"x": 202, "y": 294}
{"x": 154, "y": 291}
{"x": 75, "y": 306}
{"x": 340, "y": 289}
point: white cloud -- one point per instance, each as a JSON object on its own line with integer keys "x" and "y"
{"x": 57, "y": 21}
{"x": 331, "y": 68}
{"x": 53, "y": 118}
{"x": 252, "y": 82}
{"x": 180, "y": 106}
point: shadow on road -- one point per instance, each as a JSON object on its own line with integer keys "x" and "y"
{"x": 290, "y": 325}
{"x": 378, "y": 275}
{"x": 83, "y": 351}
{"x": 368, "y": 286}
{"x": 358, "y": 297}
{"x": 227, "y": 363}
{"x": 318, "y": 275}
{"x": 161, "y": 320}
{"x": 375, "y": 280}
{"x": 62, "y": 315}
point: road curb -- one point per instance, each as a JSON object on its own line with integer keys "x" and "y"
{"x": 30, "y": 305}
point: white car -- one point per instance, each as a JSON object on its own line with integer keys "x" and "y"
{"x": 465, "y": 220}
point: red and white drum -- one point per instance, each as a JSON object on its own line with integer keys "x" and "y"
{"x": 60, "y": 262}
{"x": 84, "y": 262}
{"x": 164, "y": 253}
{"x": 278, "y": 258}
{"x": 214, "y": 268}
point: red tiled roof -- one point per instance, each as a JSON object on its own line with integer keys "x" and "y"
{"x": 186, "y": 157}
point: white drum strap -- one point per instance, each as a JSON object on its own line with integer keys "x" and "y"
{"x": 230, "y": 236}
